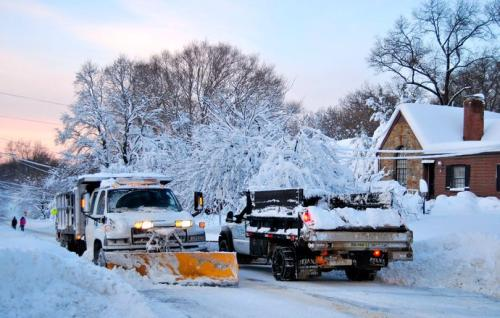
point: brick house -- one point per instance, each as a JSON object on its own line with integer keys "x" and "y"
{"x": 460, "y": 146}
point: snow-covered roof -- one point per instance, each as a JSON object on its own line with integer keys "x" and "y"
{"x": 439, "y": 129}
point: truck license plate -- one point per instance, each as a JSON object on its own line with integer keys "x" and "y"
{"x": 377, "y": 261}
{"x": 359, "y": 244}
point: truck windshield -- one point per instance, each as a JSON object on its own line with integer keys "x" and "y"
{"x": 142, "y": 200}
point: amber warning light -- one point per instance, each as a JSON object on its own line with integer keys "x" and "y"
{"x": 306, "y": 217}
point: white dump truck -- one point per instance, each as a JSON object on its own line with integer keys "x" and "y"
{"x": 135, "y": 221}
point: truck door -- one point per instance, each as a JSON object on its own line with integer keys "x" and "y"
{"x": 94, "y": 228}
{"x": 241, "y": 243}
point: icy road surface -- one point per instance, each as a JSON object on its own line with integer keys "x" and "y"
{"x": 259, "y": 295}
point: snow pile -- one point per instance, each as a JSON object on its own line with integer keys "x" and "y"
{"x": 408, "y": 204}
{"x": 41, "y": 280}
{"x": 456, "y": 246}
{"x": 323, "y": 219}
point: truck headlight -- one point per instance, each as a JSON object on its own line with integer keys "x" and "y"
{"x": 143, "y": 225}
{"x": 183, "y": 223}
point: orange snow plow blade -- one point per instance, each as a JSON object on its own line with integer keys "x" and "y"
{"x": 205, "y": 268}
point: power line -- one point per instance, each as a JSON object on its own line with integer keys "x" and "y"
{"x": 36, "y": 163}
{"x": 33, "y": 98}
{"x": 33, "y": 167}
{"x": 29, "y": 163}
{"x": 30, "y": 120}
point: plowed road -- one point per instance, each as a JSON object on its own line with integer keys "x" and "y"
{"x": 259, "y": 295}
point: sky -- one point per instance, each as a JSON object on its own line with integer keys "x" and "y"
{"x": 320, "y": 47}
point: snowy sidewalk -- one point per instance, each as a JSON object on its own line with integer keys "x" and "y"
{"x": 40, "y": 279}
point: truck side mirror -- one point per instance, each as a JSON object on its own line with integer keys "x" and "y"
{"x": 198, "y": 201}
{"x": 230, "y": 217}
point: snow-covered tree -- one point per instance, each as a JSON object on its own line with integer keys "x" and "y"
{"x": 228, "y": 151}
{"x": 309, "y": 161}
{"x": 133, "y": 116}
{"x": 86, "y": 126}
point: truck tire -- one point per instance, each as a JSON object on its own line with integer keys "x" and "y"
{"x": 357, "y": 274}
{"x": 284, "y": 264}
{"x": 224, "y": 245}
{"x": 99, "y": 258}
{"x": 81, "y": 247}
{"x": 71, "y": 246}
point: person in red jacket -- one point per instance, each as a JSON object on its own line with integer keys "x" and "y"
{"x": 22, "y": 223}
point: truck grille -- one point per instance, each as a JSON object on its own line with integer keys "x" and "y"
{"x": 141, "y": 237}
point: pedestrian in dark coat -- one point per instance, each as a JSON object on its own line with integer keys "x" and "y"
{"x": 22, "y": 223}
{"x": 14, "y": 223}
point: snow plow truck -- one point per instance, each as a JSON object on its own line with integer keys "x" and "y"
{"x": 304, "y": 236}
{"x": 135, "y": 221}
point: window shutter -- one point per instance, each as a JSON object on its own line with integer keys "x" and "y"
{"x": 449, "y": 176}
{"x": 395, "y": 170}
{"x": 467, "y": 177}
{"x": 498, "y": 178}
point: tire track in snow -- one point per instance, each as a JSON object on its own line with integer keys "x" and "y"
{"x": 313, "y": 299}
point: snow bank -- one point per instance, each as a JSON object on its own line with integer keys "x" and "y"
{"x": 40, "y": 279}
{"x": 456, "y": 246}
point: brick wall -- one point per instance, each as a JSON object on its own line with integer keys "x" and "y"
{"x": 482, "y": 174}
{"x": 399, "y": 135}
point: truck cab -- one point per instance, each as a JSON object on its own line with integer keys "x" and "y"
{"x": 121, "y": 211}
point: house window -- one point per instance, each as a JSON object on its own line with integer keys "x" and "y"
{"x": 457, "y": 177}
{"x": 401, "y": 169}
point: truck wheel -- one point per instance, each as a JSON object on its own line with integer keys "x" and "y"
{"x": 99, "y": 258}
{"x": 81, "y": 246}
{"x": 224, "y": 245}
{"x": 284, "y": 264}
{"x": 356, "y": 274}
{"x": 71, "y": 246}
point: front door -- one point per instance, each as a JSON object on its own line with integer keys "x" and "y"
{"x": 429, "y": 177}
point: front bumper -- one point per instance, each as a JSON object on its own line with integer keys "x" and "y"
{"x": 194, "y": 247}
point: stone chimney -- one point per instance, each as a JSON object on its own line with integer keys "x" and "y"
{"x": 474, "y": 117}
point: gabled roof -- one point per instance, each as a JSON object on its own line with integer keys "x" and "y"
{"x": 439, "y": 129}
